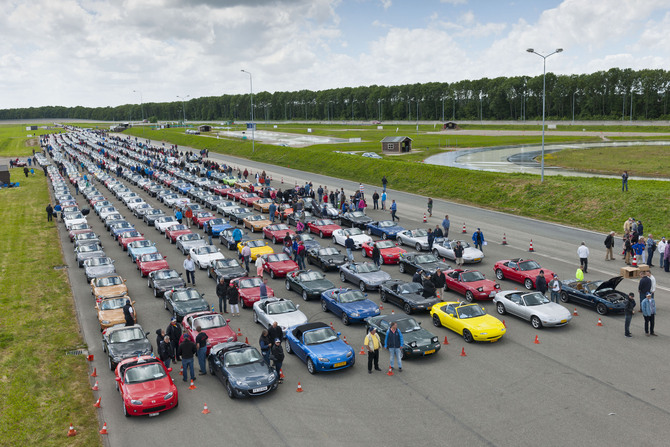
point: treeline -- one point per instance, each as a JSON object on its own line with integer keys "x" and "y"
{"x": 604, "y": 95}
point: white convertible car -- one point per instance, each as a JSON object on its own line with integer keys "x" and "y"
{"x": 359, "y": 238}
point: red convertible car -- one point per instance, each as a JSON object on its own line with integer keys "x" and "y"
{"x": 222, "y": 191}
{"x": 145, "y": 386}
{"x": 277, "y": 233}
{"x": 249, "y": 290}
{"x": 151, "y": 262}
{"x": 213, "y": 324}
{"x": 278, "y": 265}
{"x": 200, "y": 218}
{"x": 523, "y": 271}
{"x": 236, "y": 193}
{"x": 471, "y": 283}
{"x": 249, "y": 198}
{"x": 176, "y": 230}
{"x": 128, "y": 237}
{"x": 389, "y": 250}
{"x": 323, "y": 227}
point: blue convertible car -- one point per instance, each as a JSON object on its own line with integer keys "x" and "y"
{"x": 350, "y": 305}
{"x": 218, "y": 225}
{"x": 319, "y": 347}
{"x": 139, "y": 248}
{"x": 386, "y": 229}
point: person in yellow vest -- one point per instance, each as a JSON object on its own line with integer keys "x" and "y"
{"x": 580, "y": 274}
{"x": 372, "y": 344}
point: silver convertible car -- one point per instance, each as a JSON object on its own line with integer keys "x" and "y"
{"x": 445, "y": 249}
{"x": 281, "y": 310}
{"x": 533, "y": 307}
{"x": 367, "y": 275}
{"x": 414, "y": 238}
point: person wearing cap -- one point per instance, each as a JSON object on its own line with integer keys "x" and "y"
{"x": 609, "y": 245}
{"x": 174, "y": 332}
{"x": 651, "y": 248}
{"x": 661, "y": 252}
{"x": 583, "y": 253}
{"x": 541, "y": 283}
{"x": 478, "y": 239}
{"x": 628, "y": 311}
{"x": 648, "y": 307}
{"x": 372, "y": 343}
{"x": 277, "y": 356}
{"x": 555, "y": 285}
{"x": 418, "y": 277}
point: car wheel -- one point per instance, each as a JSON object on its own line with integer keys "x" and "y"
{"x": 601, "y": 309}
{"x": 535, "y": 322}
{"x": 384, "y": 236}
{"x": 155, "y": 293}
{"x": 418, "y": 247}
{"x": 125, "y": 411}
{"x": 165, "y": 304}
{"x": 369, "y": 232}
{"x": 109, "y": 362}
{"x": 342, "y": 277}
{"x": 287, "y": 346}
{"x": 209, "y": 273}
{"x": 324, "y": 306}
{"x": 382, "y": 296}
{"x": 469, "y": 297}
{"x": 361, "y": 286}
{"x": 499, "y": 274}
{"x": 500, "y": 307}
{"x": 467, "y": 336}
{"x": 528, "y": 284}
{"x": 288, "y": 285}
{"x": 149, "y": 283}
{"x": 229, "y": 390}
{"x": 310, "y": 366}
{"x": 309, "y": 260}
{"x": 435, "y": 252}
{"x": 304, "y": 295}
{"x": 436, "y": 321}
{"x": 321, "y": 234}
{"x": 274, "y": 240}
{"x": 401, "y": 267}
{"x": 407, "y": 308}
{"x": 272, "y": 274}
{"x": 345, "y": 319}
{"x": 211, "y": 369}
{"x": 255, "y": 318}
{"x": 565, "y": 297}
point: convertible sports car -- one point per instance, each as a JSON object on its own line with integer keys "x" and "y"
{"x": 359, "y": 238}
{"x": 523, "y": 271}
{"x": 239, "y": 214}
{"x": 150, "y": 263}
{"x": 533, "y": 307}
{"x": 86, "y": 238}
{"x": 110, "y": 311}
{"x": 406, "y": 295}
{"x": 226, "y": 238}
{"x": 108, "y": 287}
{"x": 213, "y": 324}
{"x": 445, "y": 248}
{"x": 79, "y": 228}
{"x": 319, "y": 347}
{"x": 414, "y": 238}
{"x": 139, "y": 248}
{"x": 324, "y": 228}
{"x": 256, "y": 222}
{"x": 249, "y": 290}
{"x": 88, "y": 251}
{"x": 145, "y": 386}
{"x": 389, "y": 250}
{"x": 172, "y": 232}
{"x": 163, "y": 280}
{"x": 226, "y": 207}
{"x": 418, "y": 342}
{"x": 328, "y": 258}
{"x": 386, "y": 229}
{"x": 468, "y": 320}
{"x": 73, "y": 219}
{"x": 204, "y": 256}
{"x": 123, "y": 342}
{"x": 279, "y": 264}
{"x": 599, "y": 294}
{"x": 152, "y": 215}
{"x": 186, "y": 242}
{"x": 242, "y": 370}
{"x": 201, "y": 217}
{"x": 351, "y": 306}
{"x": 249, "y": 198}
{"x": 356, "y": 219}
{"x": 303, "y": 216}
{"x": 277, "y": 232}
{"x": 308, "y": 241}
{"x": 127, "y": 237}
{"x": 258, "y": 248}
{"x": 97, "y": 267}
{"x": 367, "y": 275}
{"x": 283, "y": 311}
{"x": 263, "y": 205}
{"x": 428, "y": 262}
{"x": 226, "y": 269}
{"x": 119, "y": 228}
{"x": 184, "y": 301}
{"x": 218, "y": 225}
{"x": 471, "y": 283}
{"x": 308, "y": 284}
{"x": 162, "y": 223}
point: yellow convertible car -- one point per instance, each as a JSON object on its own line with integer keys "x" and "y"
{"x": 468, "y": 320}
{"x": 258, "y": 248}
{"x": 110, "y": 312}
{"x": 108, "y": 287}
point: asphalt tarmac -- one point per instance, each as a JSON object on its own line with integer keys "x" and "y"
{"x": 582, "y": 385}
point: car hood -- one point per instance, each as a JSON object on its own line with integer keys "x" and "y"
{"x": 130, "y": 349}
{"x": 144, "y": 250}
{"x": 375, "y": 276}
{"x": 551, "y": 310}
{"x": 330, "y": 350}
{"x": 320, "y": 285}
{"x": 289, "y": 319}
{"x": 418, "y": 298}
{"x": 422, "y": 337}
{"x": 392, "y": 251}
{"x": 193, "y": 244}
{"x": 150, "y": 390}
{"x": 112, "y": 315}
{"x": 610, "y": 283}
{"x": 230, "y": 271}
{"x": 168, "y": 283}
{"x": 111, "y": 291}
{"x": 482, "y": 323}
{"x": 362, "y": 238}
{"x": 283, "y": 265}
{"x": 471, "y": 252}
{"x": 219, "y": 335}
{"x": 432, "y": 266}
{"x": 100, "y": 270}
{"x": 337, "y": 259}
{"x": 90, "y": 254}
{"x": 362, "y": 307}
{"x": 190, "y": 306}
{"x": 256, "y": 372}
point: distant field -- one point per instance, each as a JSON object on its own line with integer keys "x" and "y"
{"x": 646, "y": 161}
{"x": 14, "y": 140}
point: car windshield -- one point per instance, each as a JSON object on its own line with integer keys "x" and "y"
{"x": 386, "y": 224}
{"x": 472, "y": 276}
{"x": 279, "y": 257}
{"x": 250, "y": 282}
{"x": 178, "y": 227}
{"x": 84, "y": 236}
{"x": 306, "y": 237}
{"x": 528, "y": 265}
{"x": 154, "y": 211}
{"x": 311, "y": 276}
{"x": 412, "y": 287}
{"x": 209, "y": 321}
{"x": 419, "y": 233}
{"x": 121, "y": 225}
{"x": 185, "y": 295}
{"x": 141, "y": 244}
{"x": 321, "y": 335}
{"x": 408, "y": 325}
{"x": 280, "y": 307}
{"x": 113, "y": 303}
{"x": 592, "y": 286}
{"x": 152, "y": 257}
{"x": 74, "y": 216}
{"x": 99, "y": 261}
{"x": 353, "y": 232}
{"x": 89, "y": 248}
{"x": 144, "y": 373}
{"x": 366, "y": 267}
{"x": 190, "y": 237}
{"x": 351, "y": 296}
{"x": 81, "y": 226}
{"x": 320, "y": 223}
{"x": 254, "y": 244}
{"x": 357, "y": 214}
{"x": 214, "y": 222}
{"x": 206, "y": 250}
{"x": 255, "y": 218}
{"x": 108, "y": 281}
{"x": 535, "y": 299}
{"x": 470, "y": 311}
{"x": 463, "y": 244}
{"x": 203, "y": 215}
{"x": 240, "y": 357}
{"x": 385, "y": 244}
{"x": 329, "y": 251}
{"x": 167, "y": 219}
{"x": 281, "y": 227}
{"x": 223, "y": 263}
{"x": 166, "y": 274}
{"x": 128, "y": 234}
{"x": 425, "y": 259}
{"x": 126, "y": 335}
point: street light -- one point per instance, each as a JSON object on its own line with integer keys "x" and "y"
{"x": 573, "y": 107}
{"x": 141, "y": 103}
{"x": 251, "y": 89}
{"x": 183, "y": 105}
{"x": 544, "y": 96}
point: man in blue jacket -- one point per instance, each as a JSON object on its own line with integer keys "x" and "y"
{"x": 648, "y": 307}
{"x": 394, "y": 342}
{"x": 478, "y": 239}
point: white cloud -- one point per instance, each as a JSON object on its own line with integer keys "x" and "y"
{"x": 386, "y": 4}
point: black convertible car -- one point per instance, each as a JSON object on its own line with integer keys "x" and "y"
{"x": 164, "y": 280}
{"x": 227, "y": 269}
{"x": 356, "y": 219}
{"x": 428, "y": 262}
{"x": 327, "y": 258}
{"x": 184, "y": 301}
{"x": 418, "y": 342}
{"x": 406, "y": 295}
{"x": 242, "y": 370}
{"x": 308, "y": 284}
{"x": 122, "y": 342}
{"x": 599, "y": 294}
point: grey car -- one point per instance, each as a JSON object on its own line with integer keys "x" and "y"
{"x": 414, "y": 238}
{"x": 533, "y": 307}
{"x": 86, "y": 238}
{"x": 122, "y": 342}
{"x": 186, "y": 242}
{"x": 96, "y": 267}
{"x": 88, "y": 251}
{"x": 366, "y": 275}
{"x": 281, "y": 310}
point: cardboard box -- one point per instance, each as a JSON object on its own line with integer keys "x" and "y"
{"x": 629, "y": 272}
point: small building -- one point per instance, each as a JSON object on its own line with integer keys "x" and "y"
{"x": 205, "y": 128}
{"x": 4, "y": 175}
{"x": 449, "y": 125}
{"x": 396, "y": 144}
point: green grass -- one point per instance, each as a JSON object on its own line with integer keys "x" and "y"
{"x": 41, "y": 389}
{"x": 14, "y": 140}
{"x": 568, "y": 127}
{"x": 646, "y": 161}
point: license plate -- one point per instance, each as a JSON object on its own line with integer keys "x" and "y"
{"x": 259, "y": 390}
{"x": 493, "y": 341}
{"x": 337, "y": 365}
{"x": 153, "y": 414}
{"x": 477, "y": 259}
{"x": 432, "y": 351}
{"x": 564, "y": 321}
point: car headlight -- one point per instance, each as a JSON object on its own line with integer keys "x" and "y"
{"x": 241, "y": 383}
{"x": 168, "y": 396}
{"x": 480, "y": 289}
{"x": 323, "y": 359}
{"x": 350, "y": 353}
{"x": 105, "y": 321}
{"x": 434, "y": 340}
{"x": 376, "y": 311}
{"x": 355, "y": 314}
{"x": 413, "y": 344}
{"x": 483, "y": 333}
{"x": 136, "y": 402}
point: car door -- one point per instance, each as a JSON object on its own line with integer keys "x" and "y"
{"x": 395, "y": 296}
{"x": 299, "y": 348}
{"x": 513, "y": 304}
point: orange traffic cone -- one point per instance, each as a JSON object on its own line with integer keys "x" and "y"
{"x": 299, "y": 390}
{"x": 504, "y": 239}
{"x": 362, "y": 350}
{"x": 181, "y": 370}
{"x": 104, "y": 429}
{"x": 192, "y": 387}
{"x": 600, "y": 322}
{"x": 446, "y": 342}
{"x": 345, "y": 339}
{"x": 246, "y": 340}
{"x": 531, "y": 246}
{"x": 206, "y": 410}
{"x": 392, "y": 312}
{"x": 463, "y": 354}
{"x": 98, "y": 402}
{"x": 95, "y": 373}
{"x": 281, "y": 373}
{"x": 331, "y": 325}
{"x": 537, "y": 340}
{"x": 424, "y": 218}
{"x": 239, "y": 332}
{"x": 381, "y": 306}
{"x": 71, "y": 432}
{"x": 282, "y": 180}
{"x": 390, "y": 373}
{"x": 464, "y": 231}
{"x": 575, "y": 313}
{"x": 90, "y": 357}
{"x": 634, "y": 264}
{"x": 95, "y": 387}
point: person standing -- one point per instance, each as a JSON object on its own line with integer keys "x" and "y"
{"x": 439, "y": 281}
{"x": 186, "y": 351}
{"x": 272, "y": 209}
{"x": 178, "y": 215}
{"x": 210, "y": 232}
{"x": 652, "y": 289}
{"x": 651, "y": 248}
{"x": 609, "y": 245}
{"x": 648, "y": 307}
{"x": 478, "y": 239}
{"x": 263, "y": 289}
{"x": 300, "y": 255}
{"x": 583, "y": 253}
{"x": 174, "y": 332}
{"x": 384, "y": 183}
{"x": 555, "y": 285}
{"x": 376, "y": 254}
{"x": 431, "y": 239}
{"x": 237, "y": 236}
{"x": 428, "y": 286}
{"x": 277, "y": 356}
{"x": 375, "y": 200}
{"x": 661, "y": 252}
{"x": 188, "y": 214}
{"x": 437, "y": 232}
{"x": 628, "y": 311}
{"x": 445, "y": 226}
{"x": 394, "y": 209}
{"x": 165, "y": 351}
{"x": 275, "y": 331}
{"x": 383, "y": 200}
{"x": 201, "y": 342}
{"x": 430, "y": 207}
{"x": 260, "y": 263}
{"x": 458, "y": 253}
{"x": 349, "y": 245}
{"x": 246, "y": 256}
{"x": 394, "y": 342}
{"x": 129, "y": 313}
{"x": 666, "y": 258}
{"x": 579, "y": 274}
{"x": 265, "y": 344}
{"x": 627, "y": 248}
{"x": 372, "y": 343}
{"x": 624, "y": 181}
{"x": 541, "y": 283}
{"x": 644, "y": 286}
{"x": 233, "y": 299}
{"x": 50, "y": 212}
{"x": 221, "y": 293}
{"x": 189, "y": 266}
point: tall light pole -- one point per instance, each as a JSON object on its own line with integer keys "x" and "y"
{"x": 141, "y": 103}
{"x": 352, "y": 108}
{"x": 544, "y": 97}
{"x": 183, "y": 105}
{"x": 573, "y": 107}
{"x": 251, "y": 90}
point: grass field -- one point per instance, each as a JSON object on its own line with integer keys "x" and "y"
{"x": 646, "y": 161}
{"x": 14, "y": 140}
{"x": 41, "y": 389}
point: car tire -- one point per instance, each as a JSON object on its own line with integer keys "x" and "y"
{"x": 382, "y": 296}
{"x": 288, "y": 285}
{"x": 310, "y": 367}
{"x": 500, "y": 307}
{"x": 363, "y": 253}
{"x": 110, "y": 364}
{"x": 209, "y": 273}
{"x": 211, "y": 369}
{"x": 324, "y": 306}
{"x": 499, "y": 274}
{"x": 125, "y": 411}
{"x": 149, "y": 283}
{"x": 536, "y": 322}
{"x": 155, "y": 293}
{"x": 255, "y": 318}
{"x": 407, "y": 308}
{"x": 369, "y": 232}
{"x": 401, "y": 267}
{"x": 528, "y": 284}
{"x": 467, "y": 336}
{"x": 361, "y": 286}
{"x": 165, "y": 304}
{"x": 274, "y": 240}
{"x": 601, "y": 309}
{"x": 565, "y": 297}
{"x": 321, "y": 234}
{"x": 304, "y": 295}
{"x": 229, "y": 390}
{"x": 384, "y": 236}
{"x": 272, "y": 274}
{"x": 287, "y": 346}
{"x": 435, "y": 252}
{"x": 436, "y": 321}
{"x": 345, "y": 319}
{"x": 417, "y": 247}
{"x": 469, "y": 297}
{"x": 342, "y": 277}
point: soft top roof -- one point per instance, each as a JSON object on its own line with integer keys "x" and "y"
{"x": 222, "y": 348}
{"x": 307, "y": 327}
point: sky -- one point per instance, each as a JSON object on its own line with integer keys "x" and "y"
{"x": 98, "y": 53}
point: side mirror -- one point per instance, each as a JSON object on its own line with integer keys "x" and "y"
{"x": 419, "y": 323}
{"x": 169, "y": 370}
{"x": 227, "y": 320}
{"x": 339, "y": 333}
{"x": 118, "y": 379}
{"x": 451, "y": 315}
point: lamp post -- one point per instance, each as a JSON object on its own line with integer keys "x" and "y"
{"x": 183, "y": 105}
{"x": 141, "y": 103}
{"x": 251, "y": 90}
{"x": 544, "y": 96}
{"x": 573, "y": 107}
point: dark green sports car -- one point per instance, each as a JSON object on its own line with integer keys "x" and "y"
{"x": 308, "y": 283}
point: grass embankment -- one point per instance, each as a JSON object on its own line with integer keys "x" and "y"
{"x": 14, "y": 140}
{"x": 590, "y": 203}
{"x": 41, "y": 389}
{"x": 647, "y": 161}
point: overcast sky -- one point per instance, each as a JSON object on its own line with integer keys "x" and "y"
{"x": 97, "y": 52}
